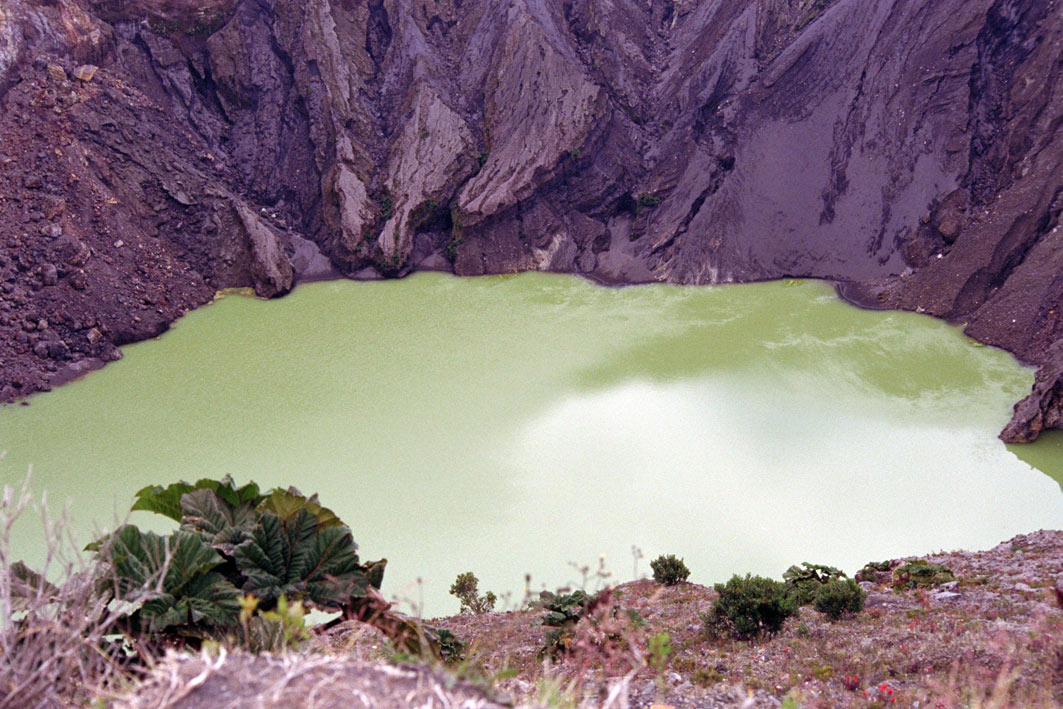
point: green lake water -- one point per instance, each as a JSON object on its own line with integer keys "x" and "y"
{"x": 532, "y": 424}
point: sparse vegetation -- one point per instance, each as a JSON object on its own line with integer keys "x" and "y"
{"x": 57, "y": 645}
{"x": 669, "y": 570}
{"x": 466, "y": 589}
{"x": 648, "y": 200}
{"x": 457, "y": 233}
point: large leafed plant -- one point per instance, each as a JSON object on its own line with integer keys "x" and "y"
{"x": 239, "y": 543}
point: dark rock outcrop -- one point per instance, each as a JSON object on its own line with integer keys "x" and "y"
{"x": 908, "y": 149}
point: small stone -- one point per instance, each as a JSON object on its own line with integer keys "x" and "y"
{"x": 78, "y": 281}
{"x": 93, "y": 336}
{"x": 946, "y": 597}
{"x": 57, "y": 72}
{"x": 54, "y": 207}
{"x": 50, "y": 348}
{"x": 49, "y": 274}
{"x": 33, "y": 182}
{"x": 52, "y": 230}
{"x": 73, "y": 251}
{"x": 119, "y": 244}
{"x": 111, "y": 354}
{"x": 950, "y": 586}
{"x": 85, "y": 72}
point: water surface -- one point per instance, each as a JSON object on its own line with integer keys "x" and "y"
{"x": 512, "y": 425}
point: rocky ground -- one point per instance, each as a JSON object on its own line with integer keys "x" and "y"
{"x": 152, "y": 152}
{"x": 993, "y": 637}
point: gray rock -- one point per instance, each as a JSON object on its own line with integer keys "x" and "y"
{"x": 52, "y": 230}
{"x": 946, "y": 596}
{"x": 51, "y": 348}
{"x": 49, "y": 274}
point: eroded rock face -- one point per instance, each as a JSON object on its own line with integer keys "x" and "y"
{"x": 909, "y": 149}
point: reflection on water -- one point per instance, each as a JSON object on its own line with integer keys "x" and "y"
{"x": 512, "y": 425}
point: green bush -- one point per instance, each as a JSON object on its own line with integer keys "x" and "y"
{"x": 564, "y": 611}
{"x": 466, "y": 589}
{"x": 669, "y": 570}
{"x": 872, "y": 569}
{"x": 805, "y": 580}
{"x": 921, "y": 573}
{"x": 750, "y": 606}
{"x": 839, "y": 597}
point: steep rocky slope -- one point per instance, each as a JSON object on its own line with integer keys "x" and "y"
{"x": 157, "y": 150}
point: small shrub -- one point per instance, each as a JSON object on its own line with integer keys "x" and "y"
{"x": 750, "y": 607}
{"x": 564, "y": 611}
{"x": 839, "y": 597}
{"x": 871, "y": 570}
{"x": 277, "y": 630}
{"x": 669, "y": 570}
{"x": 465, "y": 589}
{"x": 659, "y": 650}
{"x": 805, "y": 580}
{"x": 921, "y": 573}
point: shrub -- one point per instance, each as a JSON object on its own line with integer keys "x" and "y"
{"x": 921, "y": 573}
{"x": 241, "y": 567}
{"x": 750, "y": 606}
{"x": 839, "y": 597}
{"x": 564, "y": 611}
{"x": 465, "y": 588}
{"x": 872, "y": 569}
{"x": 805, "y": 580}
{"x": 669, "y": 570}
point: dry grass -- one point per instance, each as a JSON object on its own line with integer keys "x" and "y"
{"x": 54, "y": 644}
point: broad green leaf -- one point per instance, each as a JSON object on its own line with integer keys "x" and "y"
{"x": 208, "y": 600}
{"x": 203, "y": 512}
{"x": 167, "y": 500}
{"x": 294, "y": 557}
{"x": 374, "y": 572}
{"x": 286, "y": 504}
{"x": 162, "y": 500}
{"x": 190, "y": 591}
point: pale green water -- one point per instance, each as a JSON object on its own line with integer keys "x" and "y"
{"x": 512, "y": 425}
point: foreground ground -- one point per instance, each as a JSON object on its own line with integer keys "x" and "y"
{"x": 991, "y": 638}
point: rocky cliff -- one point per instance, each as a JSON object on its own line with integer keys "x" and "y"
{"x": 154, "y": 151}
